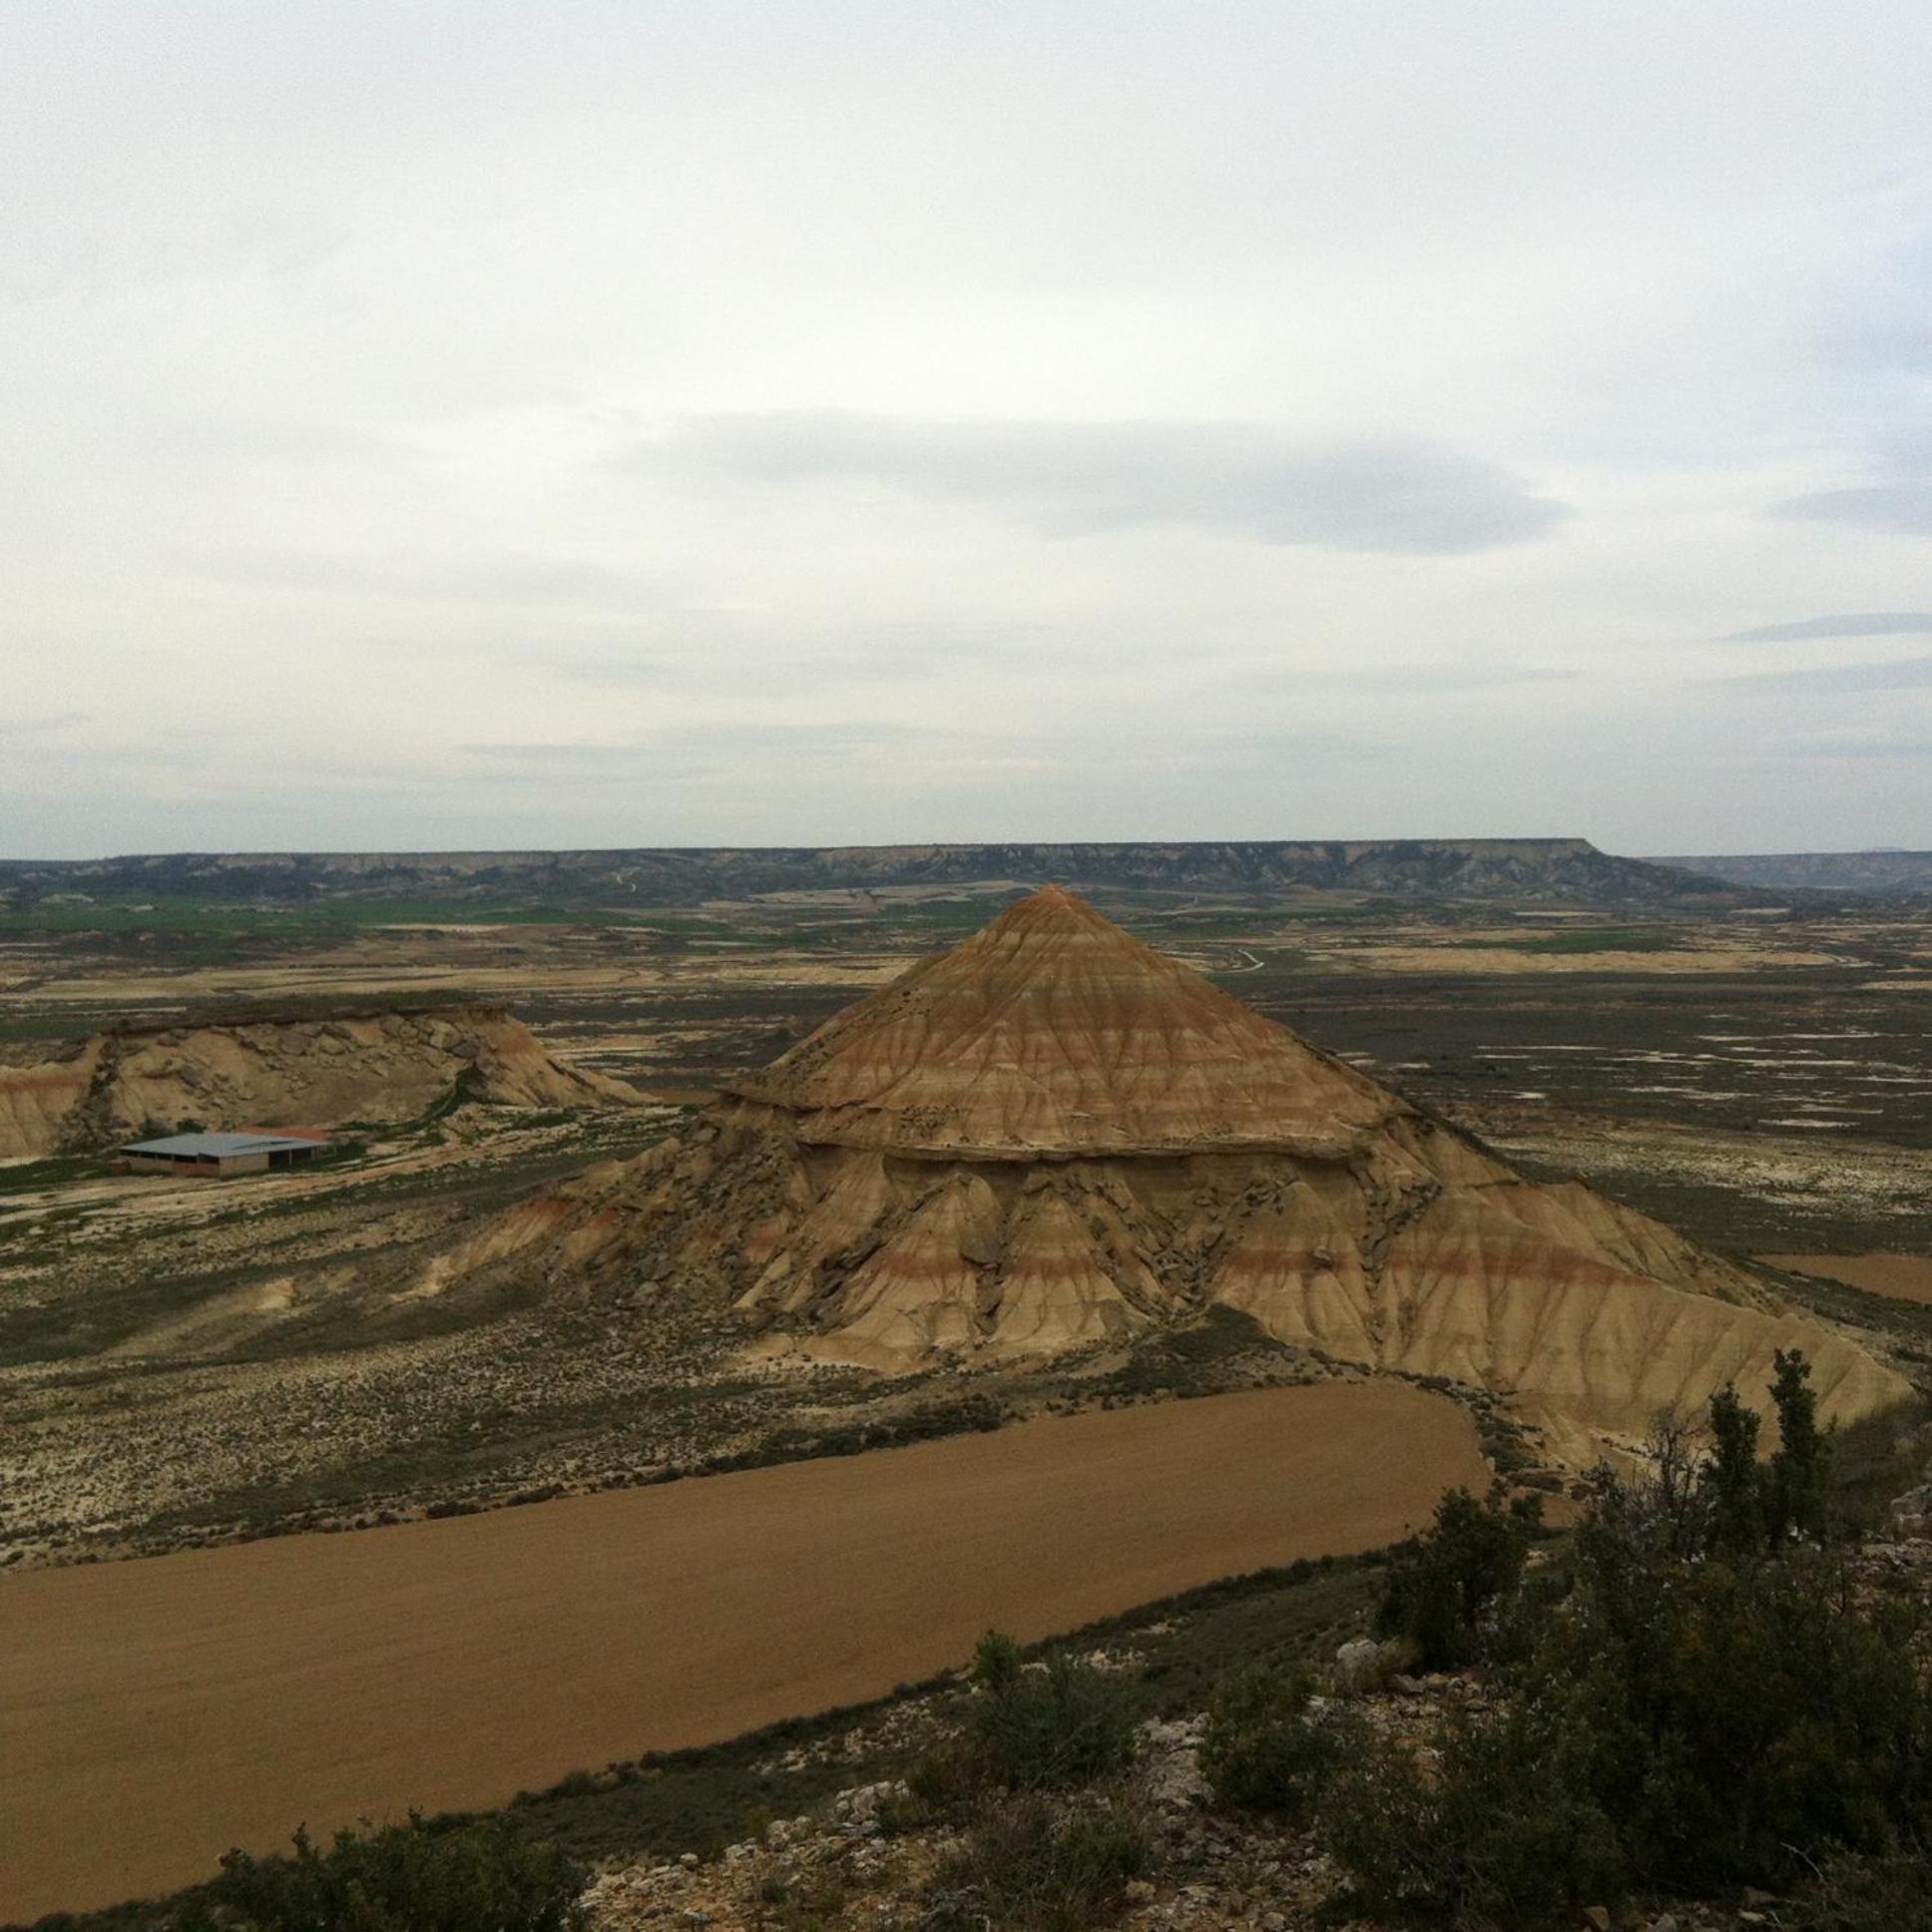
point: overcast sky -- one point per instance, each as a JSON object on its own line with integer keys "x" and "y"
{"x": 477, "y": 424}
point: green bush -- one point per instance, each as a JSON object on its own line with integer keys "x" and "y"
{"x": 814, "y": 1903}
{"x": 404, "y": 1878}
{"x": 943, "y": 1776}
{"x": 1749, "y": 1716}
{"x": 1856, "y": 1893}
{"x": 1028, "y": 1866}
{"x": 1439, "y": 1586}
{"x": 1505, "y": 1829}
{"x": 1697, "y": 1699}
{"x": 1064, "y": 1722}
{"x": 1260, "y": 1750}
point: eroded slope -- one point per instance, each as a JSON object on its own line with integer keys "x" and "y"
{"x": 383, "y": 1066}
{"x": 1051, "y": 1139}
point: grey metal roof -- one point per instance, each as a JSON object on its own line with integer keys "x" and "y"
{"x": 217, "y": 1147}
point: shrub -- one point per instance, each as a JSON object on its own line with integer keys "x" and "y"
{"x": 1439, "y": 1586}
{"x": 1747, "y": 1716}
{"x": 942, "y": 1776}
{"x": 1064, "y": 1722}
{"x": 1028, "y": 1866}
{"x": 1507, "y": 1828}
{"x": 1751, "y": 1712}
{"x": 813, "y": 1903}
{"x": 1698, "y": 1699}
{"x": 1856, "y": 1893}
{"x": 1260, "y": 1750}
{"x": 404, "y": 1878}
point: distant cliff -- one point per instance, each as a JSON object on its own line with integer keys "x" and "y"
{"x": 1876, "y": 875}
{"x": 1548, "y": 871}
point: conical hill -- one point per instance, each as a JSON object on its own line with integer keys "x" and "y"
{"x": 1051, "y": 1138}
{"x": 1053, "y": 1032}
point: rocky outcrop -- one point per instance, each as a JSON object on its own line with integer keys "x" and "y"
{"x": 1052, "y": 1138}
{"x": 384, "y": 1066}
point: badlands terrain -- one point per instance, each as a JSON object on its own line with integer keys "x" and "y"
{"x": 339, "y": 1346}
{"x": 616, "y": 1198}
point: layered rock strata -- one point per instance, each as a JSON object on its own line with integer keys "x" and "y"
{"x": 1051, "y": 1138}
{"x": 385, "y": 1065}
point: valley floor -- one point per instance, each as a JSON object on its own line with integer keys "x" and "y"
{"x": 186, "y": 1704}
{"x": 185, "y": 1367}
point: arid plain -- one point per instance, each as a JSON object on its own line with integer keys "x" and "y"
{"x": 191, "y": 1364}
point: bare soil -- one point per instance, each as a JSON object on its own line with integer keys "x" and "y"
{"x": 1904, "y": 1277}
{"x": 185, "y": 1704}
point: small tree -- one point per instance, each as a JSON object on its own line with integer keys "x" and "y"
{"x": 1736, "y": 1503}
{"x": 1062, "y": 1724}
{"x": 1797, "y": 1484}
{"x": 1439, "y": 1586}
{"x": 1674, "y": 1494}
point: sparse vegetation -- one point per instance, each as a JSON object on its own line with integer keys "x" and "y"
{"x": 1056, "y": 1724}
{"x": 1261, "y": 1749}
{"x": 1701, "y": 1699}
{"x": 1035, "y": 1867}
{"x": 1506, "y": 1826}
{"x": 405, "y": 1878}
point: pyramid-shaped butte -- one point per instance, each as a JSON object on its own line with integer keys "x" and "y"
{"x": 1051, "y": 1138}
{"x": 1053, "y": 1032}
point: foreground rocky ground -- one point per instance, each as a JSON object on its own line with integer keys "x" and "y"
{"x": 875, "y": 1855}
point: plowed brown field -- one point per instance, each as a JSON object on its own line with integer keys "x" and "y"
{"x": 153, "y": 1714}
{"x": 1905, "y": 1278}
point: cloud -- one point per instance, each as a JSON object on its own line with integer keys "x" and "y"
{"x": 1901, "y": 673}
{"x": 1850, "y": 624}
{"x": 1433, "y": 679}
{"x": 507, "y": 579}
{"x": 686, "y": 754}
{"x": 694, "y": 649}
{"x": 1400, "y": 494}
{"x": 1891, "y": 745}
{"x": 1905, "y": 508}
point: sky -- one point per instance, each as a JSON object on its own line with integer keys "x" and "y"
{"x": 466, "y": 425}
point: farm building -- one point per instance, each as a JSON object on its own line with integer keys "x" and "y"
{"x": 219, "y": 1154}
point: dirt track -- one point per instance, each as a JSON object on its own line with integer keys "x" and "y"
{"x": 154, "y": 1714}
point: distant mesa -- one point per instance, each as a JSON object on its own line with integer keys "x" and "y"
{"x": 1883, "y": 873}
{"x": 1555, "y": 872}
{"x": 1051, "y": 1138}
{"x": 392, "y": 1064}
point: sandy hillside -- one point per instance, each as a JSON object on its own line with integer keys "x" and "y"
{"x": 380, "y": 1065}
{"x": 1052, "y": 1137}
